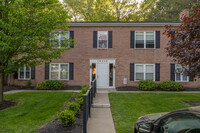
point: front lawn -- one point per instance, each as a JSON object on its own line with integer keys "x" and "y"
{"x": 128, "y": 107}
{"x": 33, "y": 110}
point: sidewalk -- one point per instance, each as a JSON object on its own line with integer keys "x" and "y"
{"x": 101, "y": 120}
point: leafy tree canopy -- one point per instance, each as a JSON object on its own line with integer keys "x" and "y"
{"x": 184, "y": 46}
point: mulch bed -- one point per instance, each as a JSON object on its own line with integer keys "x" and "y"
{"x": 191, "y": 103}
{"x": 7, "y": 104}
{"x": 56, "y": 126}
{"x": 10, "y": 88}
{"x": 134, "y": 88}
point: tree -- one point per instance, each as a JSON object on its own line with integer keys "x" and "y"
{"x": 184, "y": 45}
{"x": 124, "y": 9}
{"x": 164, "y": 10}
{"x": 102, "y": 10}
{"x": 24, "y": 28}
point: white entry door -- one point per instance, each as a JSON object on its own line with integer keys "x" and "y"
{"x": 102, "y": 75}
{"x": 103, "y": 70}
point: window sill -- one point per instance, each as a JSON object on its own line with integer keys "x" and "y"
{"x": 102, "y": 48}
{"x": 24, "y": 79}
{"x": 145, "y": 48}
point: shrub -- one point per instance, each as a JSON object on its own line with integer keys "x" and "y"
{"x": 84, "y": 89}
{"x": 79, "y": 100}
{"x": 67, "y": 117}
{"x": 50, "y": 85}
{"x": 147, "y": 85}
{"x": 73, "y": 106}
{"x": 170, "y": 86}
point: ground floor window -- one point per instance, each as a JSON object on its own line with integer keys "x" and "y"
{"x": 59, "y": 71}
{"x": 179, "y": 75}
{"x": 24, "y": 73}
{"x": 144, "y": 72}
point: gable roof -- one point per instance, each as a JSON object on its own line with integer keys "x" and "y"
{"x": 123, "y": 24}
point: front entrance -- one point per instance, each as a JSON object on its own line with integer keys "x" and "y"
{"x": 104, "y": 71}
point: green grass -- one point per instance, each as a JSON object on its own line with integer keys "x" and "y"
{"x": 33, "y": 110}
{"x": 128, "y": 107}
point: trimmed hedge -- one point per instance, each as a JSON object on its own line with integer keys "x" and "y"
{"x": 147, "y": 85}
{"x": 170, "y": 86}
{"x": 74, "y": 106}
{"x": 67, "y": 117}
{"x": 50, "y": 85}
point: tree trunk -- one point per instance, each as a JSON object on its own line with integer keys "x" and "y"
{"x": 1, "y": 85}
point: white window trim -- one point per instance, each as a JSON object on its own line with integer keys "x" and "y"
{"x": 60, "y": 36}
{"x": 181, "y": 76}
{"x": 145, "y": 39}
{"x": 59, "y": 64}
{"x": 98, "y": 39}
{"x": 24, "y": 74}
{"x": 144, "y": 65}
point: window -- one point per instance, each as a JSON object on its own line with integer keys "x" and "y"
{"x": 180, "y": 123}
{"x": 24, "y": 73}
{"x": 179, "y": 76}
{"x": 145, "y": 39}
{"x": 59, "y": 38}
{"x": 102, "y": 40}
{"x": 145, "y": 72}
{"x": 59, "y": 71}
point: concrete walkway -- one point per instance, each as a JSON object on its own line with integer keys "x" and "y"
{"x": 101, "y": 120}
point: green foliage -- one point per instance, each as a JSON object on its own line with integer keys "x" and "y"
{"x": 135, "y": 105}
{"x": 79, "y": 100}
{"x": 84, "y": 89}
{"x": 67, "y": 117}
{"x": 163, "y": 10}
{"x": 50, "y": 85}
{"x": 74, "y": 106}
{"x": 147, "y": 85}
{"x": 34, "y": 109}
{"x": 170, "y": 86}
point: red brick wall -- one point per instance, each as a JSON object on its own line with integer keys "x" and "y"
{"x": 81, "y": 54}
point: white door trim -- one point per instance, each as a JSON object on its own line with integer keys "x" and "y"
{"x": 98, "y": 61}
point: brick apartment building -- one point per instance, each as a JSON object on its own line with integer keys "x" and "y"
{"x": 115, "y": 53}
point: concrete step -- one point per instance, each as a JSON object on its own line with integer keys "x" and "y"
{"x": 101, "y": 105}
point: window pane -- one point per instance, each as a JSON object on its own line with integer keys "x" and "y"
{"x": 54, "y": 67}
{"x": 21, "y": 75}
{"x": 28, "y": 75}
{"x": 139, "y": 72}
{"x": 149, "y": 39}
{"x": 102, "y": 39}
{"x": 111, "y": 75}
{"x": 54, "y": 75}
{"x": 21, "y": 69}
{"x": 139, "y": 39}
{"x": 139, "y": 35}
{"x": 184, "y": 78}
{"x": 64, "y": 71}
{"x": 178, "y": 76}
{"x": 139, "y": 76}
{"x": 149, "y": 76}
{"x": 149, "y": 68}
{"x": 139, "y": 69}
{"x": 28, "y": 69}
{"x": 55, "y": 39}
{"x": 66, "y": 36}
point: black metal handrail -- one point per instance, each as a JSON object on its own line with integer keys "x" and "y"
{"x": 87, "y": 102}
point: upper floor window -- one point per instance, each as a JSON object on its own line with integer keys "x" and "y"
{"x": 59, "y": 71}
{"x": 102, "y": 40}
{"x": 24, "y": 73}
{"x": 179, "y": 75}
{"x": 59, "y": 38}
{"x": 145, "y": 39}
{"x": 145, "y": 72}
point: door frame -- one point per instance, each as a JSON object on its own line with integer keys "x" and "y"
{"x": 108, "y": 61}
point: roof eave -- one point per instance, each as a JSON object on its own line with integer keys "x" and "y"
{"x": 74, "y": 24}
